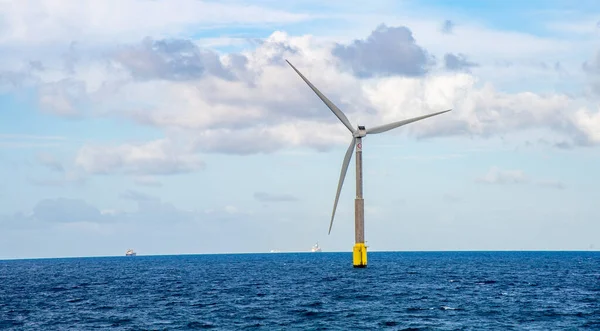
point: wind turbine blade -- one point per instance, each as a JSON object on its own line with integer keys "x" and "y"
{"x": 387, "y": 127}
{"x": 341, "y": 181}
{"x": 329, "y": 104}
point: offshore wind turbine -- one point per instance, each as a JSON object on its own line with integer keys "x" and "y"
{"x": 359, "y": 252}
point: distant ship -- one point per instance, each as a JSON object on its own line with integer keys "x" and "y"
{"x": 130, "y": 252}
{"x": 316, "y": 248}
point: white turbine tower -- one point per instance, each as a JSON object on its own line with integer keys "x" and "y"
{"x": 360, "y": 250}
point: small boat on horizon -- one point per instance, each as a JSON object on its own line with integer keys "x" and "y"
{"x": 130, "y": 252}
{"x": 316, "y": 248}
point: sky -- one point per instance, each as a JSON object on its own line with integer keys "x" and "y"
{"x": 177, "y": 127}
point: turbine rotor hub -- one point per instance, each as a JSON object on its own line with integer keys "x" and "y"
{"x": 361, "y": 132}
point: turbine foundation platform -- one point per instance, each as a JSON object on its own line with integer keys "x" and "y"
{"x": 359, "y": 255}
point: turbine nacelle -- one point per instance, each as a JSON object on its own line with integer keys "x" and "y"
{"x": 361, "y": 132}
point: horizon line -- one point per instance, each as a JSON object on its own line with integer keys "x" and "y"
{"x": 305, "y": 252}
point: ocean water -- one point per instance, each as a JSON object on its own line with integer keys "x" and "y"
{"x": 305, "y": 291}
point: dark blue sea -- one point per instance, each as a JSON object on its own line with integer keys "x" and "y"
{"x": 305, "y": 291}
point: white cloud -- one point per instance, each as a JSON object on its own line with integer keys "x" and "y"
{"x": 386, "y": 51}
{"x": 267, "y": 139}
{"x": 268, "y": 100}
{"x": 490, "y": 43}
{"x": 589, "y": 26}
{"x": 498, "y": 176}
{"x": 62, "y": 176}
{"x": 267, "y": 107}
{"x": 155, "y": 157}
{"x": 50, "y": 21}
{"x": 62, "y": 97}
{"x": 589, "y": 124}
{"x": 524, "y": 53}
{"x": 253, "y": 102}
{"x": 478, "y": 111}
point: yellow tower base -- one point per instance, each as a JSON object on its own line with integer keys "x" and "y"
{"x": 359, "y": 255}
